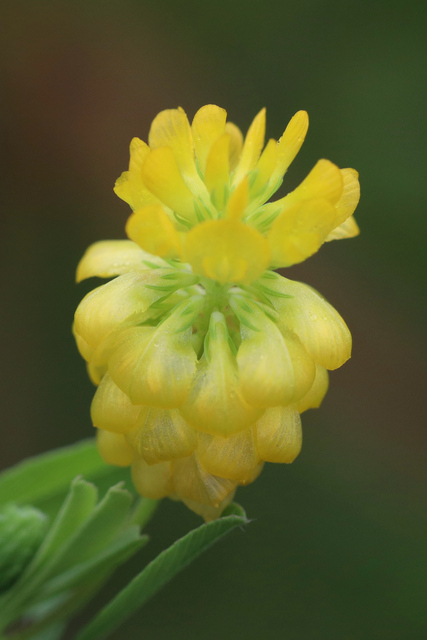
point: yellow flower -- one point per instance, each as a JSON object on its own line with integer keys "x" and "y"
{"x": 204, "y": 356}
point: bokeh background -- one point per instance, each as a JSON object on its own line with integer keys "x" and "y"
{"x": 336, "y": 549}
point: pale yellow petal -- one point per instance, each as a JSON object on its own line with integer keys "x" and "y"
{"x": 208, "y": 512}
{"x": 348, "y": 229}
{"x": 252, "y": 147}
{"x": 208, "y": 125}
{"x": 96, "y": 372}
{"x": 299, "y": 231}
{"x": 279, "y": 435}
{"x": 215, "y": 403}
{"x": 152, "y": 229}
{"x": 318, "y": 325}
{"x": 274, "y": 367}
{"x": 152, "y": 481}
{"x": 315, "y": 395}
{"x": 161, "y": 435}
{"x": 109, "y": 258}
{"x": 236, "y": 143}
{"x": 290, "y": 143}
{"x": 227, "y": 251}
{"x": 113, "y": 448}
{"x": 193, "y": 482}
{"x": 350, "y": 196}
{"x": 112, "y": 409}
{"x": 235, "y": 457}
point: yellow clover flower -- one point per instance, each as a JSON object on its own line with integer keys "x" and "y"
{"x": 205, "y": 357}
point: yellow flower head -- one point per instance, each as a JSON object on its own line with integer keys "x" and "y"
{"x": 204, "y": 356}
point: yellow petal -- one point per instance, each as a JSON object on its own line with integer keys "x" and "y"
{"x": 234, "y": 457}
{"x": 113, "y": 448}
{"x": 274, "y": 367}
{"x": 130, "y": 186}
{"x": 227, "y": 251}
{"x": 170, "y": 128}
{"x": 318, "y": 325}
{"x": 348, "y": 229}
{"x": 96, "y": 372}
{"x": 315, "y": 395}
{"x": 163, "y": 178}
{"x": 152, "y": 481}
{"x": 265, "y": 166}
{"x": 252, "y": 147}
{"x": 324, "y": 181}
{"x": 215, "y": 403}
{"x": 118, "y": 303}
{"x": 290, "y": 143}
{"x": 155, "y": 366}
{"x": 85, "y": 350}
{"x": 350, "y": 196}
{"x": 161, "y": 435}
{"x": 298, "y": 232}
{"x": 217, "y": 174}
{"x": 152, "y": 229}
{"x": 208, "y": 512}
{"x": 208, "y": 125}
{"x": 238, "y": 201}
{"x": 236, "y": 143}
{"x": 193, "y": 482}
{"x": 112, "y": 409}
{"x": 113, "y": 258}
{"x": 279, "y": 435}
{"x": 139, "y": 150}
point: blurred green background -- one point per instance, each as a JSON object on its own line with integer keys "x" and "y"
{"x": 336, "y": 549}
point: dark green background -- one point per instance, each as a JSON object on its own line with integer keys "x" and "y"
{"x": 336, "y": 549}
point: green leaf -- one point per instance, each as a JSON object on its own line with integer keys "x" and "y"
{"x": 160, "y": 571}
{"x": 50, "y": 473}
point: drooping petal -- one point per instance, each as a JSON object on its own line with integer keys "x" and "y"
{"x": 348, "y": 229}
{"x": 161, "y": 435}
{"x": 274, "y": 367}
{"x": 155, "y": 365}
{"x": 208, "y": 512}
{"x": 152, "y": 229}
{"x": 298, "y": 232}
{"x": 313, "y": 398}
{"x": 193, "y": 482}
{"x": 236, "y": 143}
{"x": 109, "y": 258}
{"x": 112, "y": 409}
{"x": 215, "y": 403}
{"x": 227, "y": 251}
{"x": 235, "y": 457}
{"x": 113, "y": 448}
{"x": 252, "y": 147}
{"x": 279, "y": 435}
{"x": 208, "y": 125}
{"x": 153, "y": 481}
{"x": 318, "y": 325}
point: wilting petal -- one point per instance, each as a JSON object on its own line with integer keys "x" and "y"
{"x": 274, "y": 367}
{"x": 152, "y": 229}
{"x": 112, "y": 409}
{"x": 193, "y": 482}
{"x": 227, "y": 251}
{"x": 298, "y": 232}
{"x": 113, "y": 448}
{"x": 208, "y": 125}
{"x": 215, "y": 403}
{"x": 252, "y": 147}
{"x": 161, "y": 435}
{"x": 318, "y": 325}
{"x": 208, "y": 512}
{"x": 234, "y": 457}
{"x": 313, "y": 398}
{"x": 109, "y": 258}
{"x": 152, "y": 481}
{"x": 348, "y": 229}
{"x": 279, "y": 435}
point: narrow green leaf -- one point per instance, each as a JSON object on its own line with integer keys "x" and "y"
{"x": 159, "y": 572}
{"x": 50, "y": 473}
